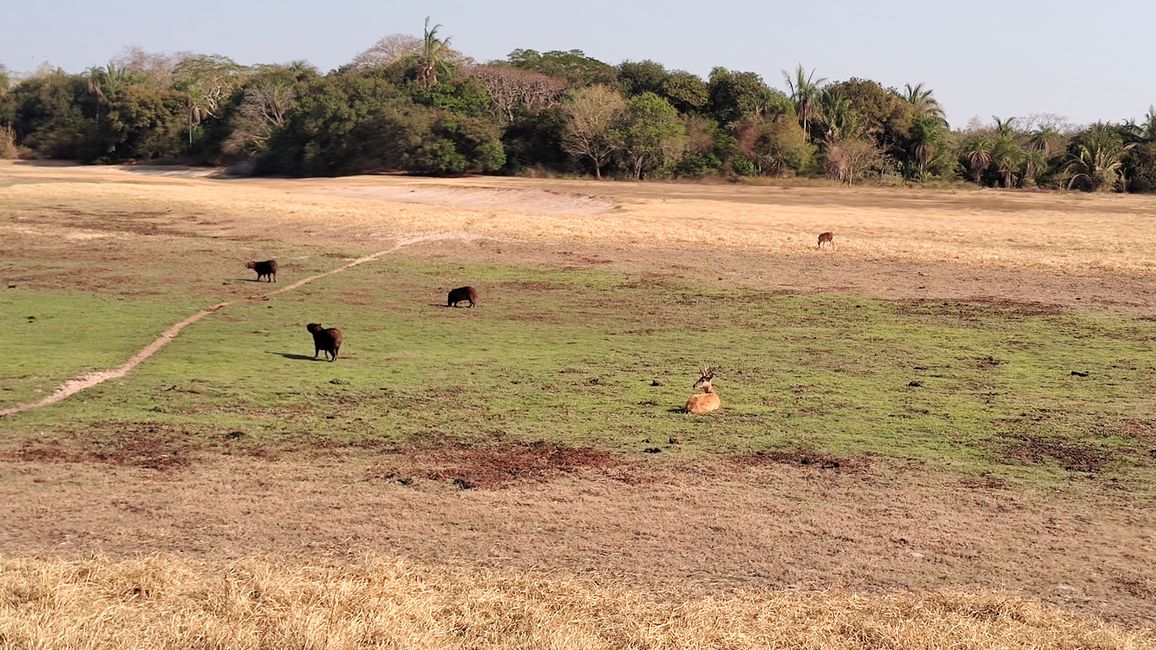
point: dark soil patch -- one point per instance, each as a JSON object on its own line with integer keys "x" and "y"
{"x": 147, "y": 446}
{"x": 974, "y": 311}
{"x": 1028, "y": 449}
{"x": 495, "y": 466}
{"x": 803, "y": 458}
{"x": 1134, "y": 428}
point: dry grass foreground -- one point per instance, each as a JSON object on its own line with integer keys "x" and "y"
{"x": 167, "y": 602}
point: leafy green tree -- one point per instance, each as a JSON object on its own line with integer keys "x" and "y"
{"x": 804, "y": 91}
{"x": 459, "y": 145}
{"x": 573, "y": 67}
{"x": 45, "y": 112}
{"x": 687, "y": 92}
{"x": 593, "y": 117}
{"x": 533, "y": 140}
{"x": 347, "y": 124}
{"x": 653, "y": 134}
{"x": 5, "y": 80}
{"x": 734, "y": 95}
{"x": 775, "y": 145}
{"x": 638, "y": 77}
{"x": 142, "y": 123}
{"x": 883, "y": 114}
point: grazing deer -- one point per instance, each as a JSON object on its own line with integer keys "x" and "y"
{"x": 828, "y": 238}
{"x": 708, "y": 400}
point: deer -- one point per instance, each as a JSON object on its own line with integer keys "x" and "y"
{"x": 827, "y": 237}
{"x": 708, "y": 400}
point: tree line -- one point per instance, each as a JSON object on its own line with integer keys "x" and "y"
{"x": 417, "y": 105}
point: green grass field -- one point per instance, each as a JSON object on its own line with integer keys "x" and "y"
{"x": 573, "y": 357}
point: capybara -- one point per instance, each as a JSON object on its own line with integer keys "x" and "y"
{"x": 266, "y": 269}
{"x": 460, "y": 294}
{"x": 325, "y": 339}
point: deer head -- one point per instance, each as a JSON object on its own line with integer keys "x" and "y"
{"x": 706, "y": 375}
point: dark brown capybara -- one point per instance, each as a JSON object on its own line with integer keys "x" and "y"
{"x": 460, "y": 294}
{"x": 325, "y": 339}
{"x": 266, "y": 269}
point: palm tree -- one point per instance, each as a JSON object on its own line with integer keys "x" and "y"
{"x": 923, "y": 102}
{"x": 839, "y": 118}
{"x": 1044, "y": 139}
{"x": 1007, "y": 155}
{"x": 432, "y": 59}
{"x": 1035, "y": 161}
{"x": 928, "y": 133}
{"x": 977, "y": 152}
{"x": 1097, "y": 158}
{"x": 805, "y": 91}
{"x": 1004, "y": 128}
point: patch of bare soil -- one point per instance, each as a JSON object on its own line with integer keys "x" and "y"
{"x": 1039, "y": 450}
{"x": 495, "y": 466}
{"x": 776, "y": 522}
{"x": 140, "y": 445}
{"x": 803, "y": 458}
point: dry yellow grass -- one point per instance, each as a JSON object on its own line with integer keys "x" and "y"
{"x": 1068, "y": 234}
{"x": 169, "y": 602}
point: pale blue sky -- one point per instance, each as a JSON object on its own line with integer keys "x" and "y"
{"x": 1082, "y": 60}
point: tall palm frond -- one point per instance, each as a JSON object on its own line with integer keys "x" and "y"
{"x": 804, "y": 92}
{"x": 923, "y": 102}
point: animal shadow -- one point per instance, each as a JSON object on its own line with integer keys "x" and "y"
{"x": 298, "y": 357}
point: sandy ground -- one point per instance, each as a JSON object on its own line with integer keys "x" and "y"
{"x": 670, "y": 529}
{"x": 1069, "y": 249}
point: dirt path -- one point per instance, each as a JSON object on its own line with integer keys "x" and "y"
{"x": 88, "y": 380}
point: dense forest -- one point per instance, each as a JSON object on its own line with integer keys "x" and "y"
{"x": 414, "y": 104}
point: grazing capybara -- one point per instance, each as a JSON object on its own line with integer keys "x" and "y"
{"x": 266, "y": 269}
{"x": 826, "y": 238}
{"x": 460, "y": 294}
{"x": 325, "y": 339}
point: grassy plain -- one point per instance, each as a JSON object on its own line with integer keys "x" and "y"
{"x": 958, "y": 398}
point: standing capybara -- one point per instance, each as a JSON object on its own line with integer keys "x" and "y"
{"x": 266, "y": 269}
{"x": 325, "y": 339}
{"x": 460, "y": 294}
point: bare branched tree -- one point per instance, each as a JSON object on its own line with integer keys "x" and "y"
{"x": 511, "y": 88}
{"x": 387, "y": 51}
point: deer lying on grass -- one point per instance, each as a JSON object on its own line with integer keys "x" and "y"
{"x": 708, "y": 400}
{"x": 828, "y": 238}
